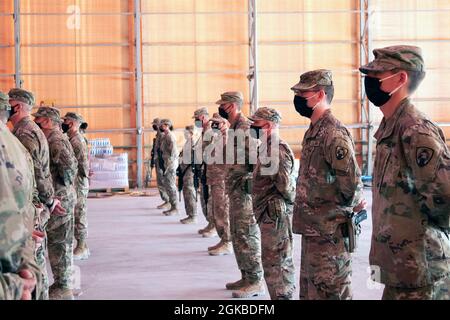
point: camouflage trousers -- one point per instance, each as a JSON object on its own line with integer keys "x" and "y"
{"x": 245, "y": 235}
{"x": 219, "y": 208}
{"x": 277, "y": 255}
{"x": 189, "y": 193}
{"x": 438, "y": 291}
{"x": 170, "y": 186}
{"x": 325, "y": 271}
{"x": 60, "y": 232}
{"x": 160, "y": 184}
{"x": 81, "y": 223}
{"x": 41, "y": 262}
{"x": 204, "y": 204}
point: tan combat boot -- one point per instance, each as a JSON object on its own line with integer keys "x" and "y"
{"x": 250, "y": 290}
{"x": 215, "y": 246}
{"x": 171, "y": 212}
{"x": 224, "y": 249}
{"x": 189, "y": 220}
{"x": 210, "y": 233}
{"x": 207, "y": 228}
{"x": 237, "y": 284}
{"x": 58, "y": 293}
{"x": 164, "y": 205}
{"x": 81, "y": 252}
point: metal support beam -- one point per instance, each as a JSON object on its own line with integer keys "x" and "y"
{"x": 369, "y": 109}
{"x": 138, "y": 91}
{"x": 17, "y": 63}
{"x": 253, "y": 55}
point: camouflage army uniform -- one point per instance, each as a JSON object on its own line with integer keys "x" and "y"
{"x": 328, "y": 186}
{"x": 273, "y": 197}
{"x": 80, "y": 150}
{"x": 189, "y": 192}
{"x": 159, "y": 173}
{"x": 169, "y": 152}
{"x": 17, "y": 215}
{"x": 410, "y": 249}
{"x": 60, "y": 229}
{"x": 245, "y": 233}
{"x": 218, "y": 206}
{"x": 33, "y": 139}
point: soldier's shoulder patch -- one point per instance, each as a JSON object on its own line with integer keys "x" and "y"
{"x": 423, "y": 156}
{"x": 341, "y": 152}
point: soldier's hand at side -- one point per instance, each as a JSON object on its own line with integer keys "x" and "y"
{"x": 360, "y": 206}
{"x": 29, "y": 283}
{"x": 57, "y": 208}
{"x": 38, "y": 238}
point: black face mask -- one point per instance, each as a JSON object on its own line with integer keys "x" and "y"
{"x": 301, "y": 106}
{"x": 255, "y": 132}
{"x": 155, "y": 127}
{"x": 65, "y": 127}
{"x": 374, "y": 93}
{"x": 223, "y": 113}
{"x": 161, "y": 130}
{"x": 12, "y": 112}
{"x": 39, "y": 125}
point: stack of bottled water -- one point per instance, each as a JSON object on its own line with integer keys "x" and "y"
{"x": 100, "y": 147}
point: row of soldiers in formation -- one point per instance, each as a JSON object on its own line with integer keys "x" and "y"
{"x": 256, "y": 214}
{"x": 410, "y": 246}
{"x": 44, "y": 171}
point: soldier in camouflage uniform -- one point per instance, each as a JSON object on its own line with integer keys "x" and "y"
{"x": 159, "y": 173}
{"x": 186, "y": 173}
{"x": 60, "y": 229}
{"x": 20, "y": 276}
{"x": 218, "y": 206}
{"x": 168, "y": 164}
{"x": 71, "y": 126}
{"x": 273, "y": 198}
{"x": 201, "y": 118}
{"x": 245, "y": 233}
{"x": 33, "y": 139}
{"x": 410, "y": 250}
{"x": 329, "y": 188}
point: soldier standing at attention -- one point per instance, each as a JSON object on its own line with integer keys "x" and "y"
{"x": 34, "y": 140}
{"x": 410, "y": 250}
{"x": 168, "y": 161}
{"x": 245, "y": 233}
{"x": 328, "y": 188}
{"x": 159, "y": 173}
{"x": 20, "y": 276}
{"x": 71, "y": 126}
{"x": 60, "y": 229}
{"x": 273, "y": 198}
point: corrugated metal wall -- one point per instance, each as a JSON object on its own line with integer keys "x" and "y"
{"x": 81, "y": 54}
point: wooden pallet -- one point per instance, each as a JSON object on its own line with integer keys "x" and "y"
{"x": 102, "y": 192}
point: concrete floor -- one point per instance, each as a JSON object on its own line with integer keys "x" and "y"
{"x": 138, "y": 253}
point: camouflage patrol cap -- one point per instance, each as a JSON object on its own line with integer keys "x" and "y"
{"x": 268, "y": 114}
{"x": 165, "y": 121}
{"x": 4, "y": 101}
{"x": 231, "y": 97}
{"x": 311, "y": 79}
{"x": 22, "y": 96}
{"x": 201, "y": 111}
{"x": 217, "y": 118}
{"x": 156, "y": 121}
{"x": 395, "y": 57}
{"x": 73, "y": 116}
{"x": 189, "y": 128}
{"x": 48, "y": 112}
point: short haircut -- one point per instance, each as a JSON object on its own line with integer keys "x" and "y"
{"x": 329, "y": 92}
{"x": 414, "y": 78}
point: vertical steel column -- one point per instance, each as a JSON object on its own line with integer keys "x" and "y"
{"x": 363, "y": 58}
{"x": 369, "y": 107}
{"x": 138, "y": 90}
{"x": 17, "y": 63}
{"x": 253, "y": 55}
